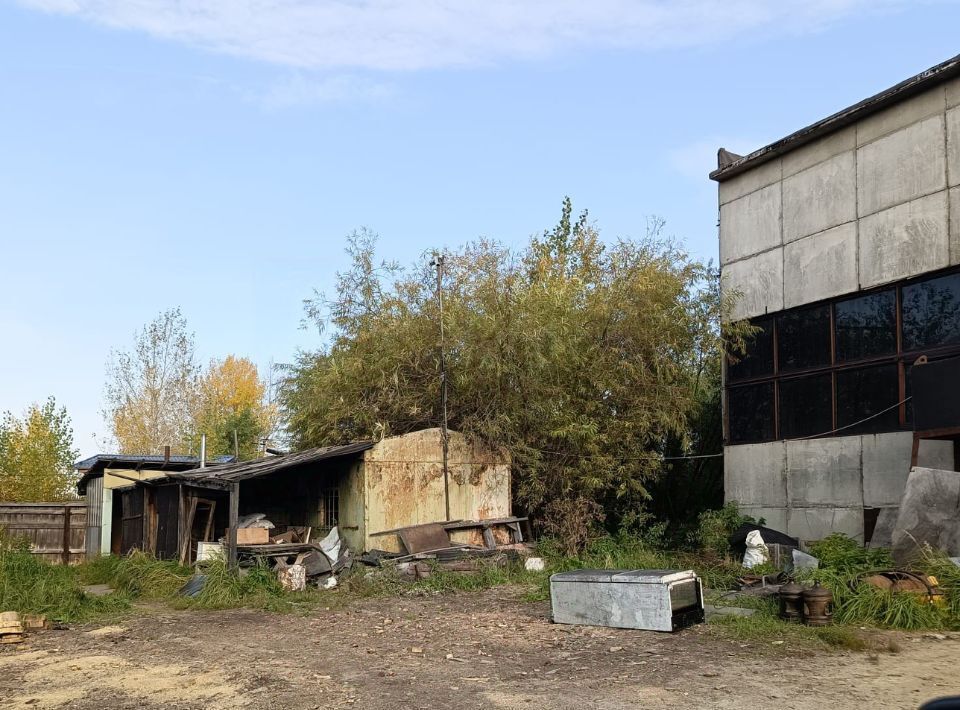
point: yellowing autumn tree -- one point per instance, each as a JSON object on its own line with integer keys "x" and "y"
{"x": 151, "y": 391}
{"x": 232, "y": 408}
{"x": 37, "y": 455}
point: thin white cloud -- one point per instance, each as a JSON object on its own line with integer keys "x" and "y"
{"x": 417, "y": 34}
{"x": 302, "y": 90}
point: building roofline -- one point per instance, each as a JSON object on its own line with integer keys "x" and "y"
{"x": 895, "y": 94}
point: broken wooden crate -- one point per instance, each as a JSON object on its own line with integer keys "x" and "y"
{"x": 11, "y": 628}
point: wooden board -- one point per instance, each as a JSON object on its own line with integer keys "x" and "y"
{"x": 419, "y": 538}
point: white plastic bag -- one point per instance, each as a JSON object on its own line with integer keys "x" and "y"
{"x": 757, "y": 552}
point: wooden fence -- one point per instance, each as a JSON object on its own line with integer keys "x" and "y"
{"x": 56, "y": 531}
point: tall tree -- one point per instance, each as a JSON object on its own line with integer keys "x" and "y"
{"x": 37, "y": 455}
{"x": 232, "y": 399}
{"x": 151, "y": 390}
{"x": 583, "y": 357}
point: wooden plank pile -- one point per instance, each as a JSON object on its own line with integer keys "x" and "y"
{"x": 11, "y": 629}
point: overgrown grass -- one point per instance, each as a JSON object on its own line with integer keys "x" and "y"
{"x": 843, "y": 565}
{"x": 30, "y": 585}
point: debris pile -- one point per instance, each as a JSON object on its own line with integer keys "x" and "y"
{"x": 296, "y": 559}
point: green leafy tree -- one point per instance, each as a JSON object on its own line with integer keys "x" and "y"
{"x": 583, "y": 357}
{"x": 37, "y": 455}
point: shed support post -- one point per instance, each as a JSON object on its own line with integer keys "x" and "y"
{"x": 66, "y": 534}
{"x": 234, "y": 518}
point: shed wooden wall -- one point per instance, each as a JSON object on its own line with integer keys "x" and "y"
{"x": 46, "y": 526}
{"x": 403, "y": 476}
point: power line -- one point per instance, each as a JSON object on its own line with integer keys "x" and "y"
{"x": 718, "y": 455}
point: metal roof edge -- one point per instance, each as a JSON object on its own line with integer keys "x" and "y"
{"x": 905, "y": 89}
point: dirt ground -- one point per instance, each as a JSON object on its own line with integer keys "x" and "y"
{"x": 488, "y": 649}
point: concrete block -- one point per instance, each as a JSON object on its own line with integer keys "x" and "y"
{"x": 820, "y": 266}
{"x": 824, "y": 472}
{"x": 953, "y": 146}
{"x": 819, "y": 150}
{"x": 810, "y": 524}
{"x": 750, "y": 225}
{"x": 757, "y": 283}
{"x": 754, "y": 475}
{"x": 955, "y": 226}
{"x": 750, "y": 181}
{"x": 775, "y": 518}
{"x": 936, "y": 454}
{"x": 902, "y": 114}
{"x": 820, "y": 197}
{"x": 883, "y": 530}
{"x": 902, "y": 166}
{"x": 953, "y": 92}
{"x": 929, "y": 513}
{"x": 886, "y": 465}
{"x": 904, "y": 241}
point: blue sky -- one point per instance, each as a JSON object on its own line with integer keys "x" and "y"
{"x": 213, "y": 155}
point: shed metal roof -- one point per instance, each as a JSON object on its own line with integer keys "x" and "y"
{"x": 95, "y": 465}
{"x": 914, "y": 85}
{"x": 271, "y": 464}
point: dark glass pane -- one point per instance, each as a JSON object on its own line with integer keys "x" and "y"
{"x": 931, "y": 313}
{"x": 750, "y": 413}
{"x": 865, "y": 392}
{"x": 757, "y": 361}
{"x": 803, "y": 338}
{"x": 866, "y": 326}
{"x": 806, "y": 406}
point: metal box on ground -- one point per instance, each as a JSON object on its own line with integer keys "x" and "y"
{"x": 651, "y": 599}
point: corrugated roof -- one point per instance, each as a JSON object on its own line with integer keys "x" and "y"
{"x": 271, "y": 464}
{"x": 921, "y": 82}
{"x": 95, "y": 465}
{"x": 117, "y": 460}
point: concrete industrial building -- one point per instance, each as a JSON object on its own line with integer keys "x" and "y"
{"x": 842, "y": 242}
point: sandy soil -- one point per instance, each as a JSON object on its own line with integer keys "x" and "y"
{"x": 480, "y": 650}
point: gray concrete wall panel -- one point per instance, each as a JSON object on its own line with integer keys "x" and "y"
{"x": 821, "y": 266}
{"x": 755, "y": 475}
{"x": 886, "y": 465}
{"x": 750, "y": 225}
{"x": 759, "y": 281}
{"x": 902, "y": 166}
{"x": 820, "y": 197}
{"x": 810, "y": 524}
{"x": 904, "y": 241}
{"x": 764, "y": 174}
{"x": 812, "y": 153}
{"x": 953, "y": 93}
{"x": 953, "y": 146}
{"x": 955, "y": 225}
{"x": 903, "y": 114}
{"x": 824, "y": 472}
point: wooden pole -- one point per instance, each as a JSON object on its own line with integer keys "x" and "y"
{"x": 66, "y": 534}
{"x": 444, "y": 436}
{"x": 234, "y": 518}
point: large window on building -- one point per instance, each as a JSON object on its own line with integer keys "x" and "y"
{"x": 840, "y": 367}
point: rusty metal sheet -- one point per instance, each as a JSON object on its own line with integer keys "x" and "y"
{"x": 422, "y": 538}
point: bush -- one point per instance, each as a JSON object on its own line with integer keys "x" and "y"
{"x": 845, "y": 555}
{"x": 715, "y": 527}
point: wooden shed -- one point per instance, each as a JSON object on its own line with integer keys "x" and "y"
{"x": 363, "y": 488}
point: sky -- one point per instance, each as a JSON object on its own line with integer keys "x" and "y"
{"x": 213, "y": 156}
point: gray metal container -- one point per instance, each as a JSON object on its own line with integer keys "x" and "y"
{"x": 651, "y": 599}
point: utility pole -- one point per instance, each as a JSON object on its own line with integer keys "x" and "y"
{"x": 437, "y": 262}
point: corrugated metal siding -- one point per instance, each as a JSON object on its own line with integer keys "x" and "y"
{"x": 94, "y": 516}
